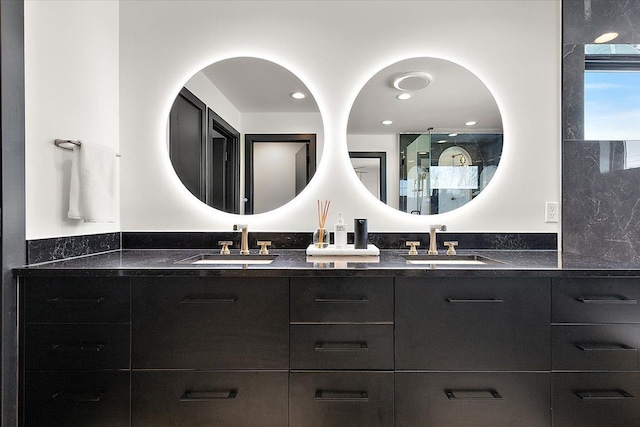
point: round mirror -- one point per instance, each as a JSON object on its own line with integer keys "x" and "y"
{"x": 425, "y": 136}
{"x": 244, "y": 135}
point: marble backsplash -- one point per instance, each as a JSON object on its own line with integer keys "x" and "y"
{"x": 44, "y": 250}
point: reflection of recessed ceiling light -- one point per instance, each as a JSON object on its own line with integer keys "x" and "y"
{"x": 453, "y": 134}
{"x": 606, "y": 37}
{"x": 386, "y": 122}
{"x": 298, "y": 95}
{"x": 414, "y": 80}
{"x": 422, "y": 153}
{"x": 442, "y": 141}
{"x": 404, "y": 96}
{"x": 471, "y": 123}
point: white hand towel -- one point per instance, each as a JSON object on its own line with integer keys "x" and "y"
{"x": 92, "y": 194}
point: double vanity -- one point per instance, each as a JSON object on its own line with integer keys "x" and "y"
{"x": 155, "y": 338}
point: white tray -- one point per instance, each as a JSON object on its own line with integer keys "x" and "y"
{"x": 349, "y": 250}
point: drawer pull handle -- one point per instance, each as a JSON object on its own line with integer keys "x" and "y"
{"x": 74, "y": 396}
{"x": 341, "y": 346}
{"x": 82, "y": 347}
{"x": 342, "y": 396}
{"x": 97, "y": 300}
{"x": 473, "y": 394}
{"x": 607, "y": 300}
{"x": 604, "y": 395}
{"x": 475, "y": 301}
{"x": 342, "y": 300}
{"x": 212, "y": 299}
{"x": 604, "y": 347}
{"x": 205, "y": 396}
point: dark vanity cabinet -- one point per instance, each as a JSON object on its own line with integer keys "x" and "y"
{"x": 472, "y": 351}
{"x": 210, "y": 351}
{"x": 75, "y": 351}
{"x": 361, "y": 351}
{"x": 596, "y": 364}
{"x": 341, "y": 352}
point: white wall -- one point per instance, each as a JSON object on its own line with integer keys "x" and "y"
{"x": 513, "y": 46}
{"x": 71, "y": 91}
{"x": 334, "y": 47}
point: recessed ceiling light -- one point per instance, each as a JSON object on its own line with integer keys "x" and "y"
{"x": 422, "y": 153}
{"x": 442, "y": 141}
{"x": 298, "y": 95}
{"x": 404, "y": 96}
{"x": 470, "y": 123}
{"x": 606, "y": 37}
{"x": 453, "y": 134}
{"x": 386, "y": 122}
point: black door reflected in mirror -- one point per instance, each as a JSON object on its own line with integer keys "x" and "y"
{"x": 244, "y": 101}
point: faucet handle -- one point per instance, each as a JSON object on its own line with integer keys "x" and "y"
{"x": 451, "y": 247}
{"x": 225, "y": 246}
{"x": 263, "y": 246}
{"x": 414, "y": 245}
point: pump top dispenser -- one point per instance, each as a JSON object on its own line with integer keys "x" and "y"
{"x": 340, "y": 233}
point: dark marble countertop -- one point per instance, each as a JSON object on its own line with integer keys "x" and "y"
{"x": 294, "y": 262}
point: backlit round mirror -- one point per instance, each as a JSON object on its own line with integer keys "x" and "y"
{"x": 425, "y": 136}
{"x": 244, "y": 135}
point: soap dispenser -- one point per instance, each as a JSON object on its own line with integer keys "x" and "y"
{"x": 340, "y": 233}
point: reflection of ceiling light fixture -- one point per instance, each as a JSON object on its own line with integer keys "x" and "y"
{"x": 422, "y": 153}
{"x": 386, "y": 122}
{"x": 298, "y": 95}
{"x": 453, "y": 134}
{"x": 606, "y": 37}
{"x": 404, "y": 96}
{"x": 412, "y": 81}
{"x": 442, "y": 141}
{"x": 471, "y": 123}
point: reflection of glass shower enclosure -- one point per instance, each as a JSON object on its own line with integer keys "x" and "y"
{"x": 441, "y": 172}
{"x": 415, "y": 193}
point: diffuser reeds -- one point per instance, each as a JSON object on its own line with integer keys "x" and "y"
{"x": 323, "y": 211}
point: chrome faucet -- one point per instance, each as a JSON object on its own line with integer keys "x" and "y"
{"x": 244, "y": 244}
{"x": 432, "y": 237}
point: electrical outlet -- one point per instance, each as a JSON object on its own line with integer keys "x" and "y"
{"x": 551, "y": 212}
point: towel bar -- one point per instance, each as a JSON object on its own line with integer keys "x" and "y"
{"x": 78, "y": 143}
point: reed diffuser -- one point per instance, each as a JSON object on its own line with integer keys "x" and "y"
{"x": 321, "y": 235}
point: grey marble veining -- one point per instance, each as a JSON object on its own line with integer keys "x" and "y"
{"x": 44, "y": 250}
{"x": 600, "y": 207}
{"x": 573, "y": 91}
{"x": 601, "y": 214}
{"x": 294, "y": 262}
{"x": 584, "y": 20}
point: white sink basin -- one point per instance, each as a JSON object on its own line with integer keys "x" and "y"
{"x": 449, "y": 260}
{"x": 218, "y": 259}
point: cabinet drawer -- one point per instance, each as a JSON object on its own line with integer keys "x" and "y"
{"x": 76, "y": 347}
{"x": 594, "y": 300}
{"x": 472, "y": 399}
{"x": 595, "y": 347}
{"x": 77, "y": 399}
{"x": 342, "y": 299}
{"x": 345, "y": 399}
{"x": 473, "y": 324}
{"x": 204, "y": 323}
{"x": 341, "y": 346}
{"x": 76, "y": 300}
{"x": 225, "y": 399}
{"x": 596, "y": 399}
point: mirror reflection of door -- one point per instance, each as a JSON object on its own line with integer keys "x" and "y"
{"x": 371, "y": 169}
{"x": 205, "y": 153}
{"x": 277, "y": 168}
